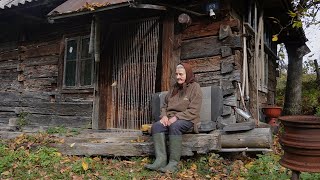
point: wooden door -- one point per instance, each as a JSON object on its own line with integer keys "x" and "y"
{"x": 135, "y": 55}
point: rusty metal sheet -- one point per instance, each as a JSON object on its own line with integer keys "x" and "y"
{"x": 4, "y": 4}
{"x": 71, "y": 6}
{"x": 300, "y": 141}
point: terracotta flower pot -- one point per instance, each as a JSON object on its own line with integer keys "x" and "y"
{"x": 272, "y": 111}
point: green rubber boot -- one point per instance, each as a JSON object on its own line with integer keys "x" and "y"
{"x": 159, "y": 141}
{"x": 175, "y": 147}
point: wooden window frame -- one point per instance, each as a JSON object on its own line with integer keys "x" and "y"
{"x": 78, "y": 60}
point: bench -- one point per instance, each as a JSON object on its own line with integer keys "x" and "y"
{"x": 211, "y": 108}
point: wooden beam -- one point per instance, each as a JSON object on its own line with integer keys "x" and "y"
{"x": 208, "y": 46}
{"x": 255, "y": 138}
{"x": 167, "y": 49}
{"x": 130, "y": 146}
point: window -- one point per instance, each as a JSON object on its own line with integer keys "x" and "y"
{"x": 78, "y": 63}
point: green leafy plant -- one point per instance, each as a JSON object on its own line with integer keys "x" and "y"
{"x": 61, "y": 130}
{"x": 22, "y": 119}
{"x": 267, "y": 167}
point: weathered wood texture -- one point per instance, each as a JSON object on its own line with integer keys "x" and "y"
{"x": 255, "y": 138}
{"x": 208, "y": 46}
{"x": 115, "y": 145}
{"x": 206, "y": 27}
{"x": 29, "y": 85}
{"x": 167, "y": 51}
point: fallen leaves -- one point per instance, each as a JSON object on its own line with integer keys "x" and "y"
{"x": 92, "y": 6}
{"x": 85, "y": 165}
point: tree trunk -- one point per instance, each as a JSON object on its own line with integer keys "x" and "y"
{"x": 317, "y": 72}
{"x": 292, "y": 104}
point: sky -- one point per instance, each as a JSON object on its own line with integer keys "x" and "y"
{"x": 313, "y": 35}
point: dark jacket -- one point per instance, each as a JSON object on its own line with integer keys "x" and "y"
{"x": 185, "y": 105}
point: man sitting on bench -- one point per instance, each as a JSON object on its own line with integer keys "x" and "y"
{"x": 179, "y": 113}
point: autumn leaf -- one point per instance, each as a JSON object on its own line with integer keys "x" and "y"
{"x": 297, "y": 24}
{"x": 85, "y": 165}
{"x": 193, "y": 167}
{"x": 274, "y": 37}
{"x": 97, "y": 159}
{"x": 292, "y": 14}
{"x": 249, "y": 165}
{"x": 57, "y": 154}
{"x": 5, "y": 173}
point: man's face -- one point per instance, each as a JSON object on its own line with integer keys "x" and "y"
{"x": 181, "y": 75}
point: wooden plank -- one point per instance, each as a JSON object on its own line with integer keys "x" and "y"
{"x": 207, "y": 46}
{"x": 9, "y": 55}
{"x": 41, "y": 49}
{"x": 8, "y": 64}
{"x": 208, "y": 78}
{"x": 175, "y": 58}
{"x": 56, "y": 120}
{"x": 208, "y": 64}
{"x": 192, "y": 143}
{"x": 43, "y": 71}
{"x": 40, "y": 61}
{"x": 255, "y": 138}
{"x": 167, "y": 48}
{"x": 63, "y": 109}
{"x": 8, "y": 74}
{"x": 40, "y": 84}
{"x": 207, "y": 27}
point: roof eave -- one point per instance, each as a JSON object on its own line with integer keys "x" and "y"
{"x": 52, "y": 18}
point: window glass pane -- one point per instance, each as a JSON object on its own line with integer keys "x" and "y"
{"x": 86, "y": 72}
{"x": 85, "y": 48}
{"x": 71, "y": 50}
{"x": 70, "y": 76}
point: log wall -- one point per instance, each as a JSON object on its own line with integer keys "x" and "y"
{"x": 30, "y": 86}
{"x": 212, "y": 47}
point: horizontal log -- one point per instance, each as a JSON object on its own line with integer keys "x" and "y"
{"x": 192, "y": 143}
{"x": 9, "y": 64}
{"x": 255, "y": 138}
{"x": 62, "y": 109}
{"x": 8, "y": 74}
{"x": 41, "y": 49}
{"x": 41, "y": 71}
{"x": 40, "y": 61}
{"x": 207, "y": 46}
{"x": 40, "y": 84}
{"x": 205, "y": 64}
{"x": 9, "y": 55}
{"x": 208, "y": 28}
{"x": 56, "y": 120}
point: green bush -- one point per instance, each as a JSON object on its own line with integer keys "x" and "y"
{"x": 310, "y": 94}
{"x": 267, "y": 167}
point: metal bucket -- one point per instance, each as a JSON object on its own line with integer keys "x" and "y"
{"x": 300, "y": 141}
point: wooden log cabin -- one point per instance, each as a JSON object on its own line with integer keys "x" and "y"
{"x": 96, "y": 63}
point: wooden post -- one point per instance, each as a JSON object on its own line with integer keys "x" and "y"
{"x": 167, "y": 48}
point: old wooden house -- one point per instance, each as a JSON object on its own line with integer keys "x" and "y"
{"x": 96, "y": 63}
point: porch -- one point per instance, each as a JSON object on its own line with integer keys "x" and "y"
{"x": 128, "y": 143}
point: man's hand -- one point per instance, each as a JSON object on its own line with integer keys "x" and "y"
{"x": 164, "y": 121}
{"x": 172, "y": 120}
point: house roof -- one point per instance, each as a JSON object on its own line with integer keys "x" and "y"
{"x": 80, "y": 6}
{"x": 4, "y": 4}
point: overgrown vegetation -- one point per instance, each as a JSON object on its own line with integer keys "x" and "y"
{"x": 30, "y": 157}
{"x": 310, "y": 93}
{"x": 61, "y": 130}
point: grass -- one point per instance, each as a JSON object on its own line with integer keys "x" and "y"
{"x": 29, "y": 157}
